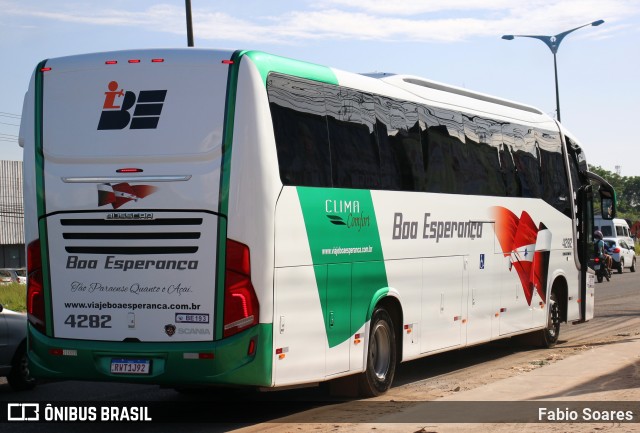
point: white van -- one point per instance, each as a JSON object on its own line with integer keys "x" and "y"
{"x": 614, "y": 228}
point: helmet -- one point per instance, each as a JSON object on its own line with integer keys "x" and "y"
{"x": 597, "y": 234}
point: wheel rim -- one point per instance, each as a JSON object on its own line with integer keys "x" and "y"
{"x": 23, "y": 367}
{"x": 380, "y": 352}
{"x": 553, "y": 323}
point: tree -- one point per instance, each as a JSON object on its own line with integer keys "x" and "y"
{"x": 627, "y": 192}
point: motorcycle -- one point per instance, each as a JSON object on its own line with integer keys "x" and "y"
{"x": 601, "y": 269}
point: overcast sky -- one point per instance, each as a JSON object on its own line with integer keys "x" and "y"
{"x": 455, "y": 41}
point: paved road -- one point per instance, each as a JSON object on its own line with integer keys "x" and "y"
{"x": 617, "y": 307}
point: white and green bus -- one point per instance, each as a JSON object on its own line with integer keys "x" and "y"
{"x": 205, "y": 217}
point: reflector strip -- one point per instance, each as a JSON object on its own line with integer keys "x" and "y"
{"x": 240, "y": 323}
{"x": 134, "y": 60}
{"x": 63, "y": 352}
{"x": 157, "y": 60}
{"x": 203, "y": 355}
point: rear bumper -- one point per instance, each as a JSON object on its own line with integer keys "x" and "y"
{"x": 91, "y": 360}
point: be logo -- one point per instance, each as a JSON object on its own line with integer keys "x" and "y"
{"x": 116, "y": 111}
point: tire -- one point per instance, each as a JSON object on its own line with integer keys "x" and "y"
{"x": 633, "y": 265}
{"x": 549, "y": 335}
{"x": 19, "y": 379}
{"x": 381, "y": 356}
{"x": 621, "y": 265}
{"x": 599, "y": 277}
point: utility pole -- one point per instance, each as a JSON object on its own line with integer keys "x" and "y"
{"x": 189, "y": 23}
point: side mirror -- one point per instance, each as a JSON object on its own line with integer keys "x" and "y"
{"x": 607, "y": 208}
{"x": 607, "y": 203}
{"x": 607, "y": 195}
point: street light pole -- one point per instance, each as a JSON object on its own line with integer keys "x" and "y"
{"x": 187, "y": 6}
{"x": 553, "y": 42}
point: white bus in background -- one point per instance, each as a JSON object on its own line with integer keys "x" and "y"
{"x": 238, "y": 218}
{"x": 614, "y": 228}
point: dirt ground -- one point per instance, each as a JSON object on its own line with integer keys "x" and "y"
{"x": 455, "y": 383}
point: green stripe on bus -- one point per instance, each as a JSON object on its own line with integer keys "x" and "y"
{"x": 347, "y": 255}
{"x": 267, "y": 63}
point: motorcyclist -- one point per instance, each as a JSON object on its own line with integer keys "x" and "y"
{"x": 600, "y": 250}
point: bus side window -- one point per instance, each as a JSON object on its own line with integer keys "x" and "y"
{"x": 398, "y": 131}
{"x": 300, "y": 128}
{"x": 482, "y": 164}
{"x": 525, "y": 157}
{"x": 355, "y": 159}
{"x": 442, "y": 169}
{"x": 555, "y": 186}
{"x": 509, "y": 170}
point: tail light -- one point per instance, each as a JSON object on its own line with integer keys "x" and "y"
{"x": 35, "y": 288}
{"x": 241, "y": 308}
{"x": 597, "y": 260}
{"x": 615, "y": 250}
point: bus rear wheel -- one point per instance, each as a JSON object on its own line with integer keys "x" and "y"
{"x": 381, "y": 356}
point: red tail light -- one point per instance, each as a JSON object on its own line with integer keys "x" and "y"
{"x": 616, "y": 250}
{"x": 35, "y": 288}
{"x": 597, "y": 260}
{"x": 241, "y": 308}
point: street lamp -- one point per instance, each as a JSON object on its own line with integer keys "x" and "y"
{"x": 553, "y": 42}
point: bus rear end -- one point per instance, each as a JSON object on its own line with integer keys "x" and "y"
{"x": 131, "y": 276}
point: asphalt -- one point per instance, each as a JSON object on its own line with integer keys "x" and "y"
{"x": 604, "y": 378}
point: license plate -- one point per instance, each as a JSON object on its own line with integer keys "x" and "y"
{"x": 596, "y": 267}
{"x": 130, "y": 366}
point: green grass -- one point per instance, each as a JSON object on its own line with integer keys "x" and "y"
{"x": 14, "y": 296}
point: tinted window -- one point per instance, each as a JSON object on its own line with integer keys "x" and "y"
{"x": 331, "y": 136}
{"x": 525, "y": 157}
{"x": 575, "y": 156}
{"x": 300, "y": 127}
{"x": 513, "y": 187}
{"x": 606, "y": 231}
{"x": 354, "y": 150}
{"x": 440, "y": 144}
{"x": 481, "y": 167}
{"x": 555, "y": 186}
{"x": 398, "y": 131}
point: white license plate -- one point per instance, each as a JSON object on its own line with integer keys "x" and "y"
{"x": 130, "y": 366}
{"x": 596, "y": 267}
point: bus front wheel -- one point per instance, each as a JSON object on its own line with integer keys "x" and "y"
{"x": 381, "y": 356}
{"x": 551, "y": 333}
